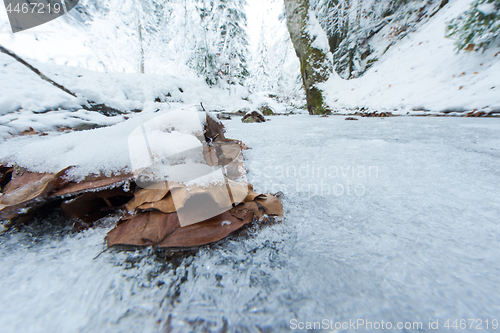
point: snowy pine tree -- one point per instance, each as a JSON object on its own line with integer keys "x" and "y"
{"x": 204, "y": 57}
{"x": 221, "y": 53}
{"x": 478, "y": 27}
{"x": 260, "y": 73}
{"x": 233, "y": 43}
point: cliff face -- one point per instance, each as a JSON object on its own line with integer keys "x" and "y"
{"x": 311, "y": 46}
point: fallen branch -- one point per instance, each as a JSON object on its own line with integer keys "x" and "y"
{"x": 92, "y": 106}
{"x": 19, "y": 59}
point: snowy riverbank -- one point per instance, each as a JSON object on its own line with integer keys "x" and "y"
{"x": 423, "y": 74}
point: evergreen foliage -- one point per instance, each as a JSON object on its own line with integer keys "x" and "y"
{"x": 220, "y": 55}
{"x": 352, "y": 24}
{"x": 477, "y": 28}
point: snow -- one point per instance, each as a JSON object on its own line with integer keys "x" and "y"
{"x": 317, "y": 34}
{"x": 420, "y": 244}
{"x": 159, "y": 145}
{"x": 393, "y": 219}
{"x": 115, "y": 149}
{"x": 487, "y": 8}
{"x": 26, "y": 98}
{"x": 21, "y": 88}
{"x": 274, "y": 67}
{"x": 423, "y": 72}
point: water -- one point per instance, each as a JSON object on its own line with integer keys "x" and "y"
{"x": 410, "y": 236}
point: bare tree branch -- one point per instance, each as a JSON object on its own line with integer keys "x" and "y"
{"x": 55, "y": 84}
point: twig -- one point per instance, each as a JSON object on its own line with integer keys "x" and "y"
{"x": 15, "y": 56}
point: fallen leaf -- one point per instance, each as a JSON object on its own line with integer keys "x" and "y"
{"x": 27, "y": 191}
{"x": 164, "y": 230}
{"x": 91, "y": 206}
{"x": 91, "y": 183}
{"x": 214, "y": 130}
{"x": 271, "y": 204}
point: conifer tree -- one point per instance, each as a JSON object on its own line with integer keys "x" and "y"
{"x": 478, "y": 27}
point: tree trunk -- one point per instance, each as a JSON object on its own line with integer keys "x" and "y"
{"x": 315, "y": 60}
{"x": 141, "y": 41}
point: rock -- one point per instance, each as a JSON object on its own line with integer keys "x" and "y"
{"x": 351, "y": 118}
{"x": 249, "y": 120}
{"x": 253, "y": 117}
{"x": 242, "y": 112}
{"x": 266, "y": 110}
{"x": 475, "y": 113}
{"x": 87, "y": 126}
{"x": 374, "y": 114}
{"x": 223, "y": 116}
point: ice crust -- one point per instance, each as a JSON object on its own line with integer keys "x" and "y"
{"x": 421, "y": 243}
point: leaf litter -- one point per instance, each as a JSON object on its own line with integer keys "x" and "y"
{"x": 152, "y": 216}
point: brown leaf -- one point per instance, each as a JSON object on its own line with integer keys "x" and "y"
{"x": 169, "y": 200}
{"x": 5, "y": 175}
{"x": 27, "y": 191}
{"x": 91, "y": 206}
{"x": 223, "y": 194}
{"x": 91, "y": 183}
{"x": 214, "y": 130}
{"x": 251, "y": 196}
{"x": 241, "y": 210}
{"x": 206, "y": 232}
{"x": 164, "y": 230}
{"x": 272, "y": 205}
{"x": 231, "y": 151}
{"x": 235, "y": 170}
{"x": 143, "y": 230}
{"x": 210, "y": 155}
{"x": 165, "y": 205}
{"x": 153, "y": 193}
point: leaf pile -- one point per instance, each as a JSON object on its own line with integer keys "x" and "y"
{"x": 154, "y": 216}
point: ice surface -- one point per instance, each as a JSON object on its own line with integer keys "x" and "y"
{"x": 417, "y": 241}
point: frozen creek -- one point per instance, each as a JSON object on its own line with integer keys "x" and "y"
{"x": 411, "y": 235}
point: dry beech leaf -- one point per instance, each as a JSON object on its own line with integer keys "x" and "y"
{"x": 235, "y": 170}
{"x": 153, "y": 193}
{"x": 164, "y": 230}
{"x": 165, "y": 205}
{"x": 271, "y": 204}
{"x": 251, "y": 196}
{"x": 26, "y": 191}
{"x": 214, "y": 130}
{"x": 5, "y": 175}
{"x": 210, "y": 156}
{"x": 231, "y": 151}
{"x": 91, "y": 183}
{"x": 241, "y": 210}
{"x": 224, "y": 195}
{"x": 91, "y": 206}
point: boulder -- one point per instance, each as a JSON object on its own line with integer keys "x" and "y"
{"x": 254, "y": 117}
{"x": 266, "y": 110}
